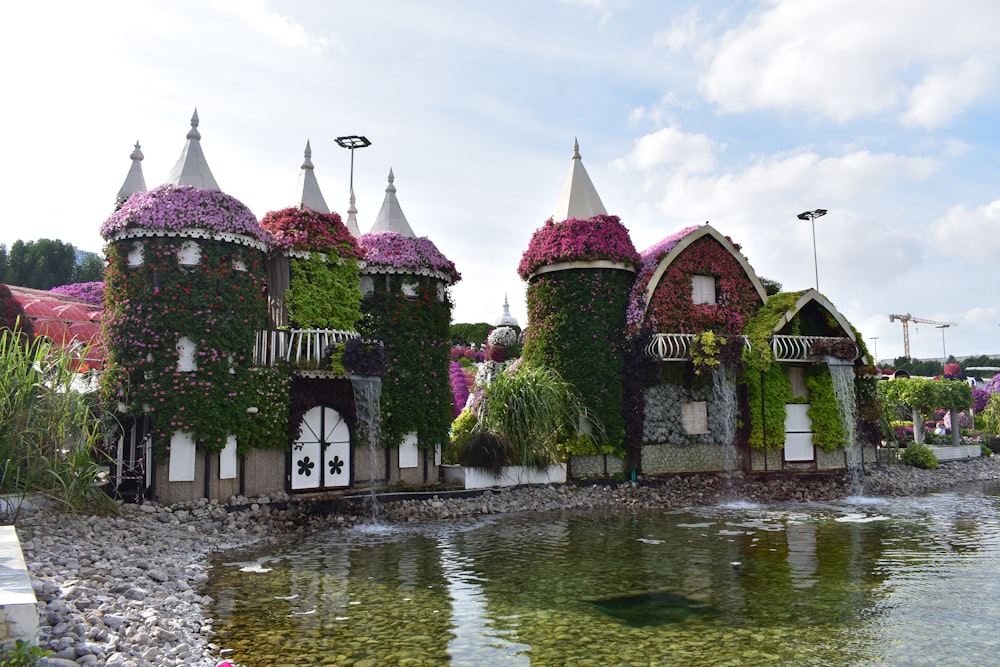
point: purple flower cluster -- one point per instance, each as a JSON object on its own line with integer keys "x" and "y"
{"x": 176, "y": 207}
{"x": 404, "y": 254}
{"x": 602, "y": 237}
{"x": 92, "y": 293}
{"x": 650, "y": 259}
{"x": 459, "y": 386}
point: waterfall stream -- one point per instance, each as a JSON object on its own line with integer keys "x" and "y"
{"x": 843, "y": 389}
{"x": 726, "y": 409}
{"x": 367, "y": 397}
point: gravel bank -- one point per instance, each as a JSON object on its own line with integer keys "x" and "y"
{"x": 123, "y": 590}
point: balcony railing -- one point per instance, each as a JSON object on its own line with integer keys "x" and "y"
{"x": 804, "y": 348}
{"x": 674, "y": 346}
{"x": 302, "y": 348}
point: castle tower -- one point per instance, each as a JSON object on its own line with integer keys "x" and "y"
{"x": 579, "y": 269}
{"x": 184, "y": 300}
{"x": 407, "y": 305}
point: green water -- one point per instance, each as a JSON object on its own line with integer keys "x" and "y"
{"x": 901, "y": 582}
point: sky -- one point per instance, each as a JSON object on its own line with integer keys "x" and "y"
{"x": 742, "y": 113}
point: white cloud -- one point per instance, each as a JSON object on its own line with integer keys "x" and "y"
{"x": 277, "y": 27}
{"x": 971, "y": 234}
{"x": 947, "y": 91}
{"x": 855, "y": 58}
{"x": 684, "y": 152}
{"x": 683, "y": 34}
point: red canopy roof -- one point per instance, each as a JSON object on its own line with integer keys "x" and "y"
{"x": 65, "y": 320}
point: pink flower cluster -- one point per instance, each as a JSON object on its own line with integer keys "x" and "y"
{"x": 402, "y": 253}
{"x": 175, "y": 207}
{"x": 92, "y": 293}
{"x": 304, "y": 229}
{"x": 602, "y": 237}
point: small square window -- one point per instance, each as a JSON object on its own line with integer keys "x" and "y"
{"x": 694, "y": 417}
{"x": 703, "y": 289}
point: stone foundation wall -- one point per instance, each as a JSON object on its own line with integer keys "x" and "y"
{"x": 657, "y": 459}
{"x": 590, "y": 467}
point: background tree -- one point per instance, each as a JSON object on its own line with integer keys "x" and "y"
{"x": 41, "y": 264}
{"x": 464, "y": 333}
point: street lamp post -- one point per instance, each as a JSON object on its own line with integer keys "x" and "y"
{"x": 353, "y": 141}
{"x": 811, "y": 217}
{"x": 874, "y": 340}
{"x": 944, "y": 352}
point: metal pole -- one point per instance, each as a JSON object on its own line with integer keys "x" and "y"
{"x": 812, "y": 220}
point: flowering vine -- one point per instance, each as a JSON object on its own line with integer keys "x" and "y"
{"x": 672, "y": 309}
{"x": 217, "y": 308}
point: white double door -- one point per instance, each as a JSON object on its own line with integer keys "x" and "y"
{"x": 321, "y": 457}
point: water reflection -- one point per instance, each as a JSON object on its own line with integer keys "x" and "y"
{"x": 842, "y": 583}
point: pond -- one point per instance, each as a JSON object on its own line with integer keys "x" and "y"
{"x": 912, "y": 581}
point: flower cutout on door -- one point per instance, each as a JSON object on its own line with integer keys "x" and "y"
{"x": 336, "y": 465}
{"x": 306, "y": 466}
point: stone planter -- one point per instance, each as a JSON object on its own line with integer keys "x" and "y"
{"x": 482, "y": 478}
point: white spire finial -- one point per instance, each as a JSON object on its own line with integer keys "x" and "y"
{"x": 307, "y": 163}
{"x": 352, "y": 217}
{"x": 193, "y": 133}
{"x": 576, "y": 149}
{"x": 392, "y": 179}
{"x": 137, "y": 153}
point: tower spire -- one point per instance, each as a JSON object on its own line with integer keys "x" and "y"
{"x": 308, "y": 192}
{"x": 134, "y": 180}
{"x": 192, "y": 168}
{"x": 579, "y": 198}
{"x": 390, "y": 217}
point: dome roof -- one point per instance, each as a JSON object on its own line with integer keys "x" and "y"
{"x": 391, "y": 252}
{"x": 304, "y": 229}
{"x": 169, "y": 209}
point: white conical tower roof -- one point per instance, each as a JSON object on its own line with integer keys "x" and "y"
{"x": 134, "y": 181}
{"x": 390, "y": 217}
{"x": 191, "y": 167}
{"x": 307, "y": 191}
{"x": 352, "y": 217}
{"x": 579, "y": 198}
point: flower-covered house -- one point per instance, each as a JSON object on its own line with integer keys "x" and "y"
{"x": 687, "y": 361}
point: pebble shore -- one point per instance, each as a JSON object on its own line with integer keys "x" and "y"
{"x": 123, "y": 590}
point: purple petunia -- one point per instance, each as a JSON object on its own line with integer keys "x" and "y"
{"x": 400, "y": 253}
{"x": 176, "y": 207}
{"x": 92, "y": 293}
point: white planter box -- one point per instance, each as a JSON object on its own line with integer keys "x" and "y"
{"x": 481, "y": 478}
{"x": 959, "y": 453}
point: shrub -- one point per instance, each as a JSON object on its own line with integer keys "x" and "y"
{"x": 537, "y": 415}
{"x": 919, "y": 456}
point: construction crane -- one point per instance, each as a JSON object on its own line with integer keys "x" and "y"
{"x": 906, "y": 319}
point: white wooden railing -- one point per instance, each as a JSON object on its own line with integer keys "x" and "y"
{"x": 799, "y": 348}
{"x": 302, "y": 348}
{"x": 674, "y": 346}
